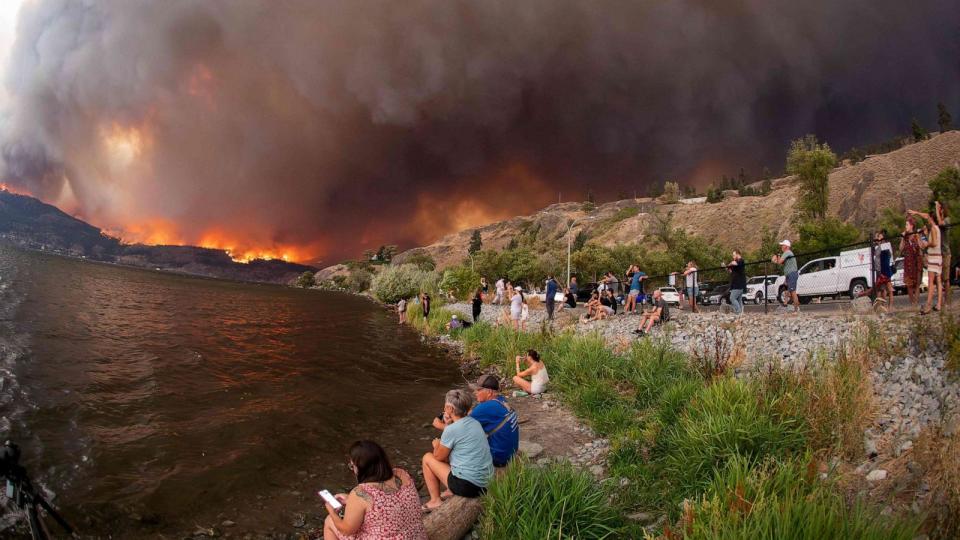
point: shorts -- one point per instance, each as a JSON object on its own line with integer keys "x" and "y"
{"x": 692, "y": 292}
{"x": 634, "y": 293}
{"x": 882, "y": 279}
{"x": 515, "y": 315}
{"x": 792, "y": 278}
{"x": 464, "y": 488}
{"x": 609, "y": 310}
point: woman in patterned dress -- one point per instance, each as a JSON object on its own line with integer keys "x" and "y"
{"x": 912, "y": 261}
{"x": 384, "y": 505}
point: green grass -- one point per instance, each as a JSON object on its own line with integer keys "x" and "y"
{"x": 555, "y": 501}
{"x": 783, "y": 499}
{"x": 677, "y": 435}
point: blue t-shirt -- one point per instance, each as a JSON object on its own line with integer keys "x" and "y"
{"x": 551, "y": 290}
{"x": 469, "y": 452}
{"x": 636, "y": 284}
{"x": 503, "y": 443}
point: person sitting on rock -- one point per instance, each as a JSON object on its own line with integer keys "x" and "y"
{"x": 659, "y": 314}
{"x": 461, "y": 458}
{"x": 499, "y": 421}
{"x": 535, "y": 370}
{"x": 385, "y": 503}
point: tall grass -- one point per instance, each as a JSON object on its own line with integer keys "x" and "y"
{"x": 679, "y": 432}
{"x": 556, "y": 501}
{"x": 783, "y": 499}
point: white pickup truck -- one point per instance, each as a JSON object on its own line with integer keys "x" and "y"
{"x": 849, "y": 274}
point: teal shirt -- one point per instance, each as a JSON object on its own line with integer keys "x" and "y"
{"x": 789, "y": 262}
{"x": 470, "y": 458}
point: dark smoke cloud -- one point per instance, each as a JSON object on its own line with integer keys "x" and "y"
{"x": 338, "y": 123}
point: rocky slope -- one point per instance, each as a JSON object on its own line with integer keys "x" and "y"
{"x": 858, "y": 193}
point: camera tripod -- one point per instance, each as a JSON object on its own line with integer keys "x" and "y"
{"x": 21, "y": 492}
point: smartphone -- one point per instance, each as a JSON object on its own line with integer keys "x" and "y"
{"x": 330, "y": 499}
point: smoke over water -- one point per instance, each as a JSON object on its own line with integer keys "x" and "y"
{"x": 318, "y": 128}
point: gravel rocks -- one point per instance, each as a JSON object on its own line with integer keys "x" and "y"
{"x": 877, "y": 475}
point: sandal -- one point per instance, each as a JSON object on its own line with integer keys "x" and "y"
{"x": 424, "y": 509}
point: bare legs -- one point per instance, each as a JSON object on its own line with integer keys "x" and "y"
{"x": 933, "y": 282}
{"x": 524, "y": 384}
{"x": 435, "y": 473}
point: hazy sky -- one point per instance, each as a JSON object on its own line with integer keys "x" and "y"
{"x": 8, "y": 20}
{"x": 321, "y": 128}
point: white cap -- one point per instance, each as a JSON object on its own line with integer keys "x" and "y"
{"x": 518, "y": 288}
{"x": 785, "y": 243}
{"x": 454, "y": 316}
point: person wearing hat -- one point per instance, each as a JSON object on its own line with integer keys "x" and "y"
{"x": 499, "y": 421}
{"x": 790, "y": 273}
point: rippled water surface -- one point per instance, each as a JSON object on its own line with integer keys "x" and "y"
{"x": 148, "y": 403}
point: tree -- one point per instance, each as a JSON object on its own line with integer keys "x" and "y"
{"x": 305, "y": 280}
{"x": 945, "y": 187}
{"x": 462, "y": 280}
{"x": 579, "y": 240}
{"x": 714, "y": 195}
{"x": 422, "y": 260}
{"x": 592, "y": 261}
{"x": 590, "y": 197}
{"x": 476, "y": 242}
{"x": 825, "y": 235}
{"x": 671, "y": 192}
{"x": 396, "y": 282}
{"x": 943, "y": 118}
{"x": 742, "y": 177}
{"x": 358, "y": 280}
{"x": 812, "y": 162}
{"x": 919, "y": 134}
{"x": 766, "y": 187}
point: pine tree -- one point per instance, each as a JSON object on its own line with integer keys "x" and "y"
{"x": 943, "y": 118}
{"x": 476, "y": 243}
{"x": 919, "y": 134}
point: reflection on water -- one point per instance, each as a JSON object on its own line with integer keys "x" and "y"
{"x": 150, "y": 403}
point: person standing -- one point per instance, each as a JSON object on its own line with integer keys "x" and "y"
{"x": 402, "y": 310}
{"x": 500, "y": 288}
{"x": 912, "y": 261}
{"x": 484, "y": 287}
{"x": 790, "y": 272}
{"x": 573, "y": 285}
{"x": 692, "y": 285}
{"x": 934, "y": 249}
{"x": 477, "y": 304}
{"x": 738, "y": 281}
{"x": 636, "y": 288}
{"x": 516, "y": 308}
{"x": 425, "y": 304}
{"x": 550, "y": 298}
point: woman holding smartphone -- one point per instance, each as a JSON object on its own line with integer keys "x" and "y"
{"x": 385, "y": 503}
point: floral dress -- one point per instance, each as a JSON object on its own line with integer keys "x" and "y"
{"x": 912, "y": 263}
{"x": 393, "y": 514}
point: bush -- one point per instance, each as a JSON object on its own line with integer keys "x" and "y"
{"x": 396, "y": 282}
{"x": 305, "y": 280}
{"x": 556, "y": 501}
{"x": 461, "y": 280}
{"x": 358, "y": 280}
{"x": 812, "y": 162}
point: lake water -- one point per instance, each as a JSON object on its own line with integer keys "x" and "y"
{"x": 148, "y": 403}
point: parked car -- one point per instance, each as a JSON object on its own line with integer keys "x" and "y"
{"x": 847, "y": 275}
{"x": 760, "y": 288}
{"x": 705, "y": 290}
{"x": 584, "y": 291}
{"x": 899, "y": 287}
{"x": 670, "y": 295}
{"x": 719, "y": 295}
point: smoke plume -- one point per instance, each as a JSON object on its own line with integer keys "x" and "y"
{"x": 319, "y": 128}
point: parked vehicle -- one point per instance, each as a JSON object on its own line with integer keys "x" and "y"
{"x": 670, "y": 295}
{"x": 705, "y": 290}
{"x": 760, "y": 288}
{"x": 718, "y": 296}
{"x": 899, "y": 287}
{"x": 847, "y": 275}
{"x": 584, "y": 291}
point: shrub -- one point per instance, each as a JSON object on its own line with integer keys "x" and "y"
{"x": 461, "y": 280}
{"x": 812, "y": 162}
{"x": 358, "y": 280}
{"x": 305, "y": 280}
{"x": 396, "y": 282}
{"x": 556, "y": 501}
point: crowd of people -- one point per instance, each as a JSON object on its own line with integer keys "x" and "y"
{"x": 479, "y": 434}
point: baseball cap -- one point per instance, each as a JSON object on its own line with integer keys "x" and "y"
{"x": 518, "y": 288}
{"x": 455, "y": 317}
{"x": 785, "y": 243}
{"x": 490, "y": 382}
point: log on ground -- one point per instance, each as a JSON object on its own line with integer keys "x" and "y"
{"x": 453, "y": 519}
